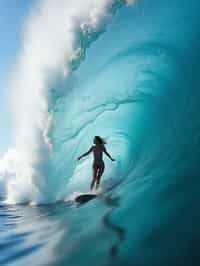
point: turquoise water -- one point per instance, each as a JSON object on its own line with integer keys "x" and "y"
{"x": 138, "y": 86}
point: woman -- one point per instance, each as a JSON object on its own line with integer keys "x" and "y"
{"x": 98, "y": 164}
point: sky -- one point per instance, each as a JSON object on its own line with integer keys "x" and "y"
{"x": 12, "y": 17}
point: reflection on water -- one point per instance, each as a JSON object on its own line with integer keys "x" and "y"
{"x": 59, "y": 234}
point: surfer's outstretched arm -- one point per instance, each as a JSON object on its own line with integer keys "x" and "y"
{"x": 85, "y": 154}
{"x": 109, "y": 156}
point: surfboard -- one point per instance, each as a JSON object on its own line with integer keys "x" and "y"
{"x": 81, "y": 199}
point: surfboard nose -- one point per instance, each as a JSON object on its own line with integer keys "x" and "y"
{"x": 85, "y": 198}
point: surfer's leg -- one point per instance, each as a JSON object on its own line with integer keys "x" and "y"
{"x": 94, "y": 177}
{"x": 99, "y": 175}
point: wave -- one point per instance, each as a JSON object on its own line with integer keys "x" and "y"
{"x": 130, "y": 86}
{"x": 136, "y": 83}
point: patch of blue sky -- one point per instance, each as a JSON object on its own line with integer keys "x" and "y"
{"x": 12, "y": 16}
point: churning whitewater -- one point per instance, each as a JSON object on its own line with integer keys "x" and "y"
{"x": 55, "y": 38}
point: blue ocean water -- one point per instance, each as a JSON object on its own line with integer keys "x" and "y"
{"x": 138, "y": 86}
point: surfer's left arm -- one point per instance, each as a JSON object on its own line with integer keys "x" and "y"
{"x": 85, "y": 154}
{"x": 109, "y": 156}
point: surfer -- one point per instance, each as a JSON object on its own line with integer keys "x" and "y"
{"x": 98, "y": 164}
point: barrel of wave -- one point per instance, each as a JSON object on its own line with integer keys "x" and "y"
{"x": 118, "y": 134}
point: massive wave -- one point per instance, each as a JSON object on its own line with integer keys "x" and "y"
{"x": 128, "y": 71}
{"x": 102, "y": 67}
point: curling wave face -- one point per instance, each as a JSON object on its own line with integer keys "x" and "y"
{"x": 134, "y": 93}
{"x": 137, "y": 85}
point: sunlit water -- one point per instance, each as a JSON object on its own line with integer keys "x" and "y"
{"x": 60, "y": 234}
{"x": 138, "y": 86}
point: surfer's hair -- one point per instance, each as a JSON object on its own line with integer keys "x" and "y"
{"x": 100, "y": 140}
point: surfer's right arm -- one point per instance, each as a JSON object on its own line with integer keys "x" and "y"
{"x": 85, "y": 154}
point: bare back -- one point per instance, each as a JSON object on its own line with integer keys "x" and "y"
{"x": 98, "y": 153}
